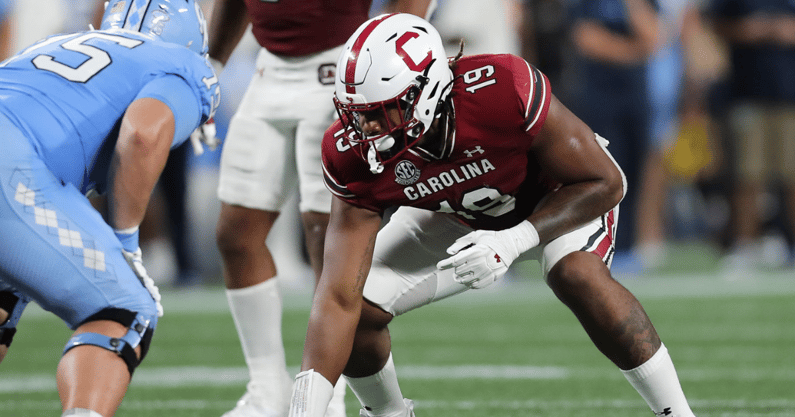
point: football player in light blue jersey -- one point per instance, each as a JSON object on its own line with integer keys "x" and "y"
{"x": 85, "y": 113}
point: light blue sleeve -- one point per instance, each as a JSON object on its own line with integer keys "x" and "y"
{"x": 178, "y": 95}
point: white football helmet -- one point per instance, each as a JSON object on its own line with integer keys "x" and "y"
{"x": 392, "y": 61}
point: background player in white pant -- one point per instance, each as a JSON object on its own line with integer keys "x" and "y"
{"x": 272, "y": 148}
{"x": 91, "y": 113}
{"x": 486, "y": 167}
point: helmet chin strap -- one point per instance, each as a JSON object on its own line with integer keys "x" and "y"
{"x": 376, "y": 167}
{"x": 378, "y": 145}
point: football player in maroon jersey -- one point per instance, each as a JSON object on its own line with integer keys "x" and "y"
{"x": 486, "y": 167}
{"x": 271, "y": 150}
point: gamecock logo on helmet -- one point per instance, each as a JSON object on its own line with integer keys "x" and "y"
{"x": 406, "y": 58}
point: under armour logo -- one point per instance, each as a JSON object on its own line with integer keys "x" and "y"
{"x": 497, "y": 257}
{"x": 665, "y": 412}
{"x": 472, "y": 152}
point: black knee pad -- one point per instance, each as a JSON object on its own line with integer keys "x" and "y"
{"x": 139, "y": 333}
{"x": 7, "y": 335}
{"x": 13, "y": 305}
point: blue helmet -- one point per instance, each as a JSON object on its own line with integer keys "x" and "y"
{"x": 174, "y": 21}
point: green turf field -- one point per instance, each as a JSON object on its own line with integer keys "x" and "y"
{"x": 512, "y": 350}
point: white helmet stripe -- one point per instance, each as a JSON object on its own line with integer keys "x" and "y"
{"x": 356, "y": 49}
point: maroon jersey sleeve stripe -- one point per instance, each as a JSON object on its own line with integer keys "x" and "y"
{"x": 334, "y": 186}
{"x": 537, "y": 102}
{"x": 342, "y": 192}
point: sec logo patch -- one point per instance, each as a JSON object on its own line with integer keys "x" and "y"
{"x": 406, "y": 173}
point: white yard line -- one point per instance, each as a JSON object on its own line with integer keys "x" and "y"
{"x": 779, "y": 407}
{"x": 213, "y": 299}
{"x": 198, "y": 376}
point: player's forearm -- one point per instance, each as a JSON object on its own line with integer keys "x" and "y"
{"x": 337, "y": 304}
{"x": 226, "y": 27}
{"x": 329, "y": 338}
{"x": 574, "y": 205}
{"x": 140, "y": 155}
{"x": 132, "y": 186}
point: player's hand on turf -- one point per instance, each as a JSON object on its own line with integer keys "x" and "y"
{"x": 479, "y": 259}
{"x": 135, "y": 260}
{"x": 204, "y": 134}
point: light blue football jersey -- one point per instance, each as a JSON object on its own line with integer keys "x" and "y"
{"x": 74, "y": 89}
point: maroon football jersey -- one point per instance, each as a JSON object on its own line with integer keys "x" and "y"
{"x": 488, "y": 181}
{"x": 297, "y": 28}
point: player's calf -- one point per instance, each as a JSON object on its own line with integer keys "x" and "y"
{"x": 610, "y": 314}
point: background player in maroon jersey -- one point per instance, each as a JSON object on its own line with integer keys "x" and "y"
{"x": 271, "y": 148}
{"x": 486, "y": 167}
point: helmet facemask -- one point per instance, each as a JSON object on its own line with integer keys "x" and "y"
{"x": 395, "y": 137}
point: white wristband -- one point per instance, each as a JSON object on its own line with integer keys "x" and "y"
{"x": 523, "y": 236}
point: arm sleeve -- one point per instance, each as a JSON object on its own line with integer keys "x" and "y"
{"x": 178, "y": 95}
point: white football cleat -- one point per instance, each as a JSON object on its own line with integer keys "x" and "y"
{"x": 250, "y": 406}
{"x": 257, "y": 402}
{"x": 409, "y": 410}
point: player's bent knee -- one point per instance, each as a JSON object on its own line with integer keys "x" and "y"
{"x": 373, "y": 317}
{"x": 233, "y": 238}
{"x": 240, "y": 228}
{"x": 139, "y": 333}
{"x": 576, "y": 270}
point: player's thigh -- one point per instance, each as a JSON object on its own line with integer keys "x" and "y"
{"x": 596, "y": 237}
{"x": 317, "y": 114}
{"x": 58, "y": 250}
{"x": 257, "y": 163}
{"x": 403, "y": 275}
{"x": 314, "y": 196}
